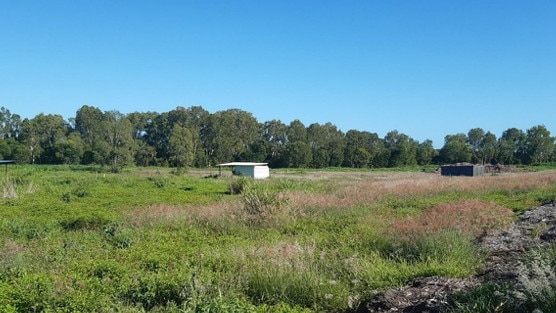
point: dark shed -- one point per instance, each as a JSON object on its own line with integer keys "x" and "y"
{"x": 462, "y": 170}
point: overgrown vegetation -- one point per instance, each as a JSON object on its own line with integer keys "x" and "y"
{"x": 77, "y": 239}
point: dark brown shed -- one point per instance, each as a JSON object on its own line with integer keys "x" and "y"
{"x": 462, "y": 170}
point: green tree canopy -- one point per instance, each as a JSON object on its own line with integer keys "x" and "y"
{"x": 181, "y": 147}
{"x": 119, "y": 138}
{"x": 228, "y": 134}
{"x": 403, "y": 149}
{"x": 511, "y": 146}
{"x": 456, "y": 149}
{"x": 40, "y": 134}
{"x": 538, "y": 145}
{"x": 298, "y": 154}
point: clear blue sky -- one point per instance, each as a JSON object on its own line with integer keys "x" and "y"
{"x": 424, "y": 68}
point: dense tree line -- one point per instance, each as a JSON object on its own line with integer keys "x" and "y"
{"x": 194, "y": 137}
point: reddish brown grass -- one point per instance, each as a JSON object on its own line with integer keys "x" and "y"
{"x": 368, "y": 188}
{"x": 471, "y": 218}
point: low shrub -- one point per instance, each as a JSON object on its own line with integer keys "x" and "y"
{"x": 261, "y": 204}
{"x": 32, "y": 293}
{"x": 150, "y": 290}
{"x": 129, "y": 243}
{"x": 27, "y": 229}
{"x": 159, "y": 181}
{"x": 533, "y": 288}
{"x": 498, "y": 298}
{"x": 86, "y": 222}
{"x": 238, "y": 185}
{"x": 119, "y": 236}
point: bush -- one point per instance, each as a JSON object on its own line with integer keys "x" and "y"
{"x": 118, "y": 236}
{"x": 261, "y": 204}
{"x": 534, "y": 288}
{"x": 86, "y": 222}
{"x": 6, "y": 298}
{"x": 32, "y": 293}
{"x": 238, "y": 185}
{"x": 28, "y": 229}
{"x": 152, "y": 290}
{"x": 159, "y": 181}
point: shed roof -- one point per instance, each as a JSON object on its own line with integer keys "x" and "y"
{"x": 241, "y": 164}
{"x": 7, "y": 161}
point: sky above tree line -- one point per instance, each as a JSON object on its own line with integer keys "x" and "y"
{"x": 424, "y": 68}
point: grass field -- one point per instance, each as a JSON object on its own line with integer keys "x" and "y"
{"x": 77, "y": 239}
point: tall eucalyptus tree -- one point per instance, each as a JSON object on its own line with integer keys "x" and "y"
{"x": 119, "y": 138}
{"x": 511, "y": 146}
{"x": 456, "y": 149}
{"x": 327, "y": 145}
{"x": 539, "y": 145}
{"x": 228, "y": 134}
{"x": 90, "y": 124}
{"x": 426, "y": 152}
{"x": 181, "y": 152}
{"x": 403, "y": 149}
{"x": 275, "y": 133}
{"x": 40, "y": 134}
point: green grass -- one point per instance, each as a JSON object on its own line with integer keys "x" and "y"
{"x": 82, "y": 239}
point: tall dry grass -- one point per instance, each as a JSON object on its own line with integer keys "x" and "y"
{"x": 368, "y": 188}
{"x": 471, "y": 218}
{"x": 9, "y": 191}
{"x": 346, "y": 190}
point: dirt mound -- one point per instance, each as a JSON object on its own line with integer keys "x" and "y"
{"x": 506, "y": 248}
{"x": 426, "y": 294}
{"x": 535, "y": 228}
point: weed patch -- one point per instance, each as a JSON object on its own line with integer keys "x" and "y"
{"x": 86, "y": 222}
{"x": 238, "y": 185}
{"x": 301, "y": 241}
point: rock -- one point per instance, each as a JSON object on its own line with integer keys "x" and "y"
{"x": 549, "y": 234}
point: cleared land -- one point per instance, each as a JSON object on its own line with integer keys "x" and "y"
{"x": 77, "y": 239}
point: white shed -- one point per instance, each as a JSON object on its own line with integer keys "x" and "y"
{"x": 249, "y": 169}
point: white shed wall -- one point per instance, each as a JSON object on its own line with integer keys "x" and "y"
{"x": 261, "y": 171}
